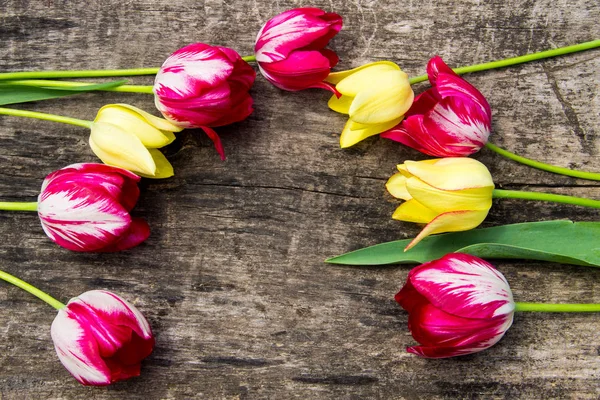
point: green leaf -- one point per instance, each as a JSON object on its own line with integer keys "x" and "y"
{"x": 560, "y": 241}
{"x": 13, "y": 94}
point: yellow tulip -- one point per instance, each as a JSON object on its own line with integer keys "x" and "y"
{"x": 375, "y": 96}
{"x": 127, "y": 137}
{"x": 447, "y": 194}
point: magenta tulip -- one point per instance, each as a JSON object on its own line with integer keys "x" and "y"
{"x": 101, "y": 338}
{"x": 203, "y": 86}
{"x": 290, "y": 49}
{"x": 85, "y": 207}
{"x": 457, "y": 305}
{"x": 451, "y": 119}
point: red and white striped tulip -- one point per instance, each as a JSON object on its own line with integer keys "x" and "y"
{"x": 85, "y": 207}
{"x": 100, "y": 338}
{"x": 457, "y": 305}
{"x": 451, "y": 119}
{"x": 203, "y": 86}
{"x": 290, "y": 48}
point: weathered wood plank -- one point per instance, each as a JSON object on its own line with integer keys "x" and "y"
{"x": 232, "y": 278}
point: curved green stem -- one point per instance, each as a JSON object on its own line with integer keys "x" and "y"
{"x": 18, "y": 206}
{"x": 31, "y": 289}
{"x": 594, "y": 176}
{"x": 557, "y": 198}
{"x": 90, "y": 73}
{"x": 66, "y": 84}
{"x": 546, "y": 307}
{"x": 47, "y": 117}
{"x": 516, "y": 60}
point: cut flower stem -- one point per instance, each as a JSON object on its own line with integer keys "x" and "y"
{"x": 548, "y": 307}
{"x": 556, "y": 198}
{"x": 31, "y": 289}
{"x": 46, "y": 117}
{"x": 18, "y": 206}
{"x": 543, "y": 166}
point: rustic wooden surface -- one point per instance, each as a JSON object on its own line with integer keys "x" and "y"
{"x": 232, "y": 279}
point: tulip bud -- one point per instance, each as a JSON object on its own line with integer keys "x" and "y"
{"x": 451, "y": 119}
{"x": 457, "y": 305}
{"x": 203, "y": 86}
{"x": 290, "y": 48}
{"x": 100, "y": 338}
{"x": 127, "y": 137}
{"x": 447, "y": 194}
{"x": 85, "y": 207}
{"x": 375, "y": 96}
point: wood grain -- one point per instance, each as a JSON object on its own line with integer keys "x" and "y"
{"x": 232, "y": 279}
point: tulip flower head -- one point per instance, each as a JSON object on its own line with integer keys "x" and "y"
{"x": 451, "y": 119}
{"x": 457, "y": 305}
{"x": 100, "y": 338}
{"x": 375, "y": 96}
{"x": 290, "y": 48}
{"x": 85, "y": 207}
{"x": 203, "y": 86}
{"x": 127, "y": 137}
{"x": 447, "y": 194}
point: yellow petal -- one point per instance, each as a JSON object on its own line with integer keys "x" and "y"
{"x": 413, "y": 211}
{"x": 365, "y": 78}
{"x": 396, "y": 185}
{"x": 131, "y": 121}
{"x": 341, "y": 105}
{"x": 351, "y": 135}
{"x": 442, "y": 201}
{"x": 450, "y": 222}
{"x": 159, "y": 123}
{"x": 453, "y": 173}
{"x": 164, "y": 169}
{"x": 388, "y": 96}
{"x": 121, "y": 149}
{"x": 336, "y": 77}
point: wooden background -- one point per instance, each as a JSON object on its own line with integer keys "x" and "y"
{"x": 232, "y": 279}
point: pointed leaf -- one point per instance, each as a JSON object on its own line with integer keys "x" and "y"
{"x": 559, "y": 241}
{"x": 13, "y": 94}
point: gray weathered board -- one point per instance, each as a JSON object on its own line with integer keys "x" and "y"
{"x": 232, "y": 279}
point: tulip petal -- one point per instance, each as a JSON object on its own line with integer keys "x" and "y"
{"x": 117, "y": 147}
{"x": 354, "y": 133}
{"x": 396, "y": 186}
{"x": 452, "y": 173}
{"x": 440, "y": 201}
{"x": 464, "y": 286}
{"x": 388, "y": 98}
{"x": 139, "y": 231}
{"x": 341, "y": 104}
{"x": 129, "y": 121}
{"x": 371, "y": 76}
{"x": 76, "y": 350}
{"x": 409, "y": 298}
{"x": 452, "y": 85}
{"x": 216, "y": 141}
{"x": 376, "y": 68}
{"x": 413, "y": 211}
{"x": 157, "y": 122}
{"x": 295, "y": 29}
{"x": 164, "y": 169}
{"x": 300, "y": 70}
{"x": 81, "y": 219}
{"x": 454, "y": 221}
{"x": 435, "y": 66}
{"x": 190, "y": 70}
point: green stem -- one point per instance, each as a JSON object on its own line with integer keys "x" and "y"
{"x": 545, "y": 307}
{"x": 545, "y": 167}
{"x": 31, "y": 289}
{"x": 516, "y": 60}
{"x": 91, "y": 73}
{"x": 18, "y": 206}
{"x": 557, "y": 198}
{"x": 46, "y": 117}
{"x": 66, "y": 84}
